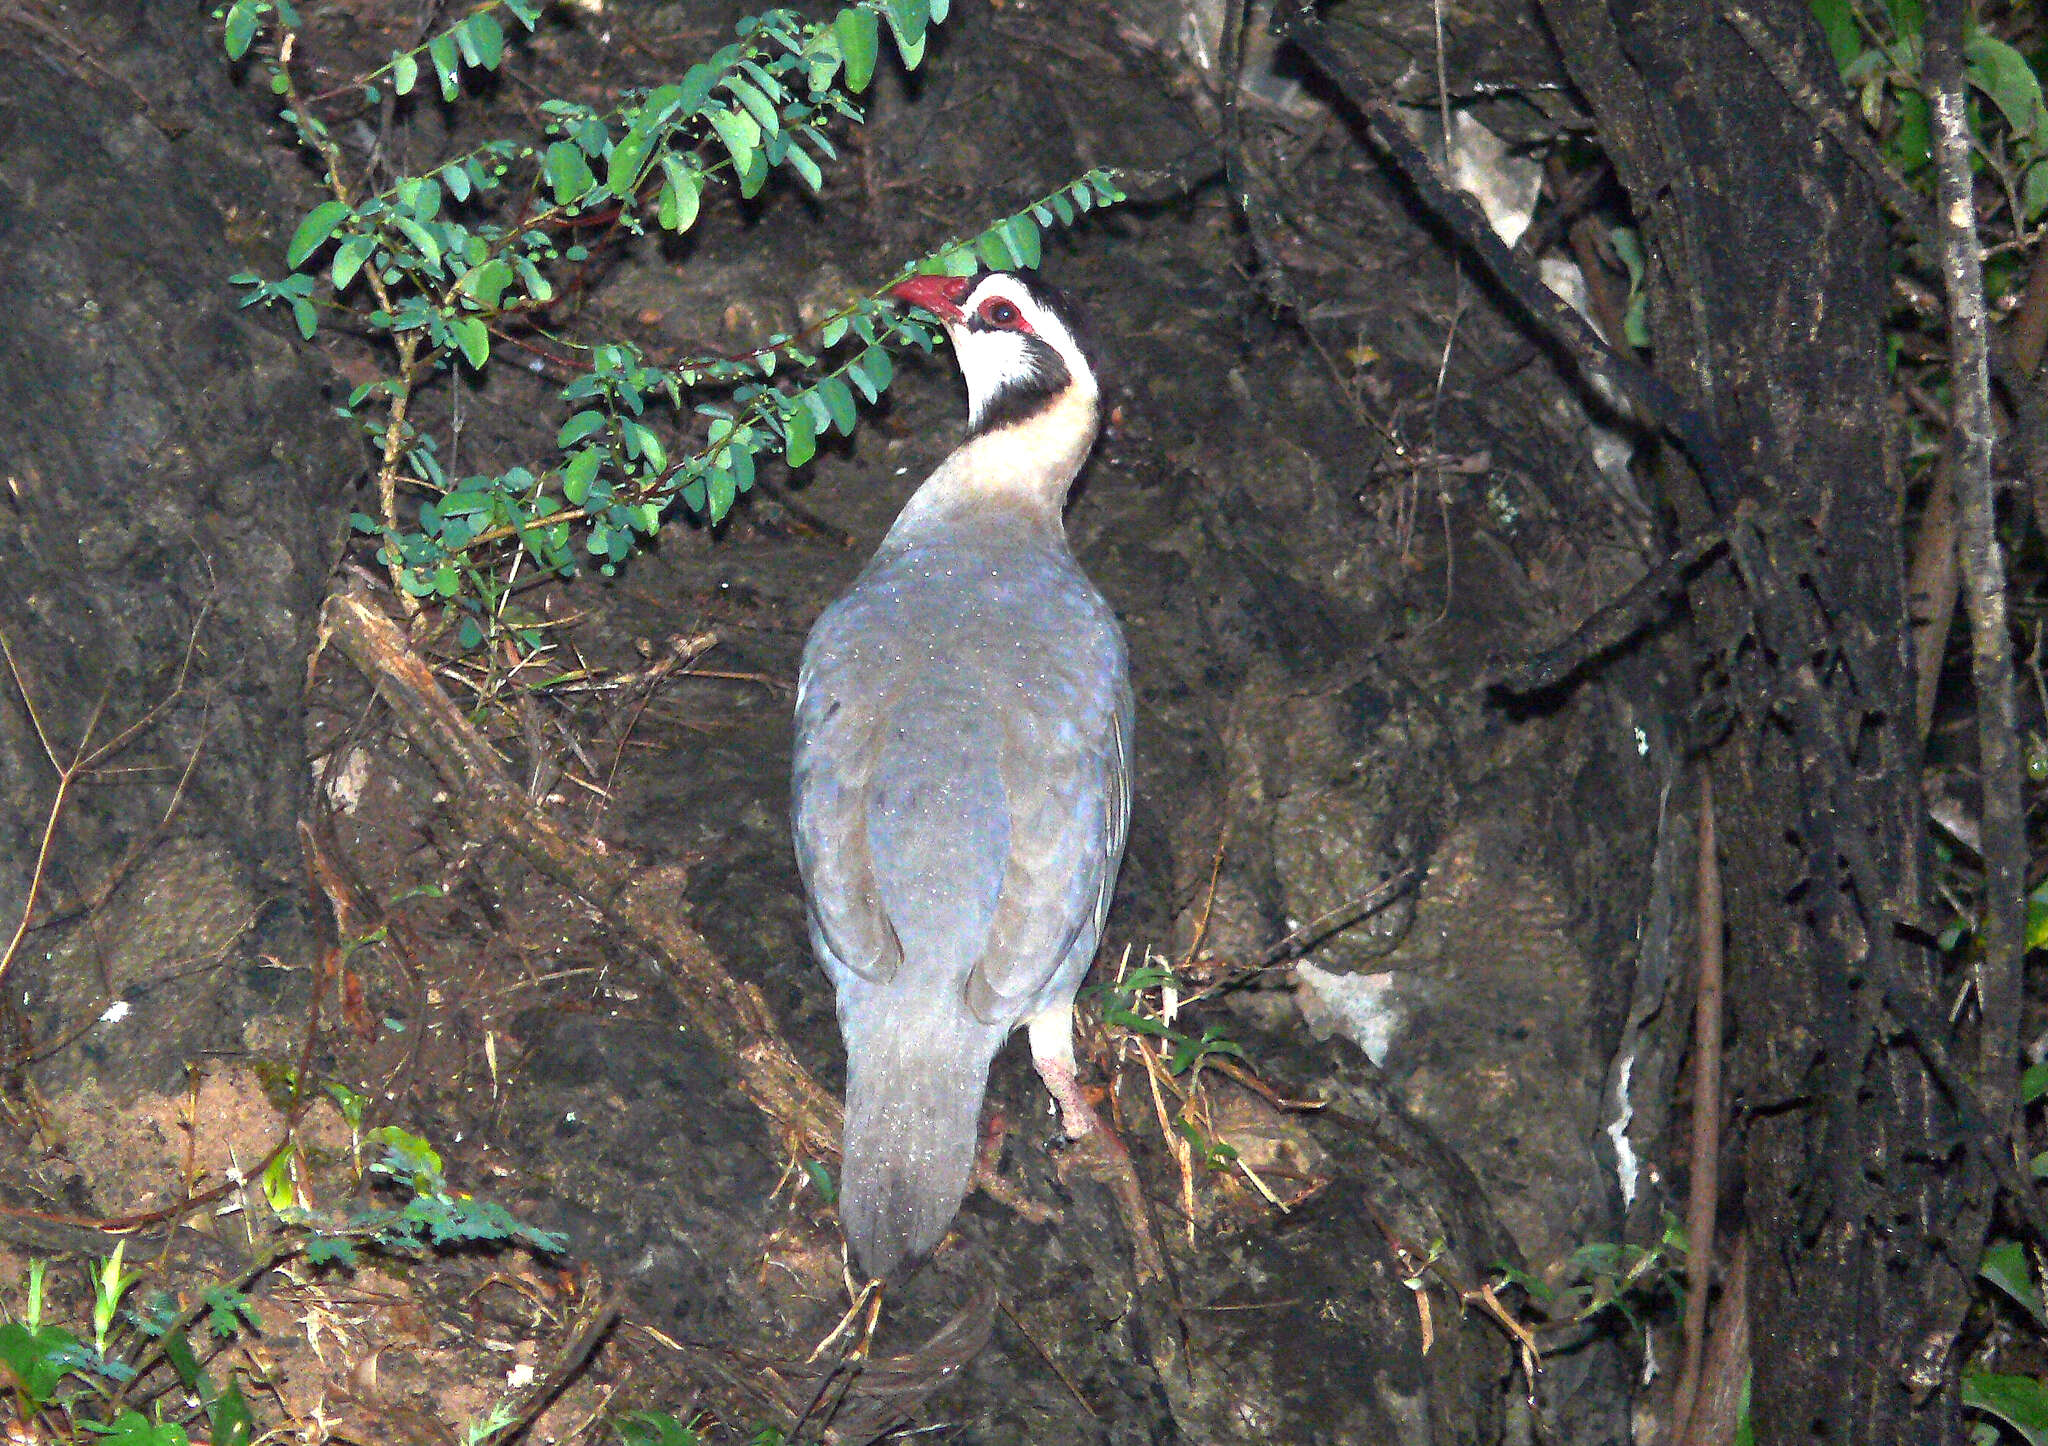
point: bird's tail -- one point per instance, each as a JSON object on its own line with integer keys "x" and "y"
{"x": 913, "y": 1111}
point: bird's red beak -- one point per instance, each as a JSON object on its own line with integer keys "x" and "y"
{"x": 940, "y": 295}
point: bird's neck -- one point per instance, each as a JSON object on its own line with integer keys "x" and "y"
{"x": 1018, "y": 471}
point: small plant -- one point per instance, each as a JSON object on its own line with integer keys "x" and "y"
{"x": 43, "y": 1358}
{"x": 1631, "y": 1280}
{"x": 450, "y": 265}
{"x": 66, "y": 1388}
{"x": 432, "y": 1217}
{"x": 655, "y": 1428}
{"x": 1140, "y": 1013}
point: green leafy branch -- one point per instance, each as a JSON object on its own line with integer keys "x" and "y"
{"x": 447, "y": 273}
{"x": 615, "y": 473}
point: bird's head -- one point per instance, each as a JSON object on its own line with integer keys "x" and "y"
{"x": 1017, "y": 349}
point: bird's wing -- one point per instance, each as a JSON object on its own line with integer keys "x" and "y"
{"x": 1066, "y": 779}
{"x": 838, "y": 740}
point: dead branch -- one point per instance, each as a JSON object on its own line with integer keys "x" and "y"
{"x": 1686, "y": 1417}
{"x": 727, "y": 1013}
{"x": 2004, "y": 841}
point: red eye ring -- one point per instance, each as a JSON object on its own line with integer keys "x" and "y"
{"x": 998, "y": 311}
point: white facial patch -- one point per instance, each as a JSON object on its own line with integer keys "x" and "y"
{"x": 995, "y": 359}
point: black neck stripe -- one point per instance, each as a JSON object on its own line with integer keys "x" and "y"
{"x": 1020, "y": 398}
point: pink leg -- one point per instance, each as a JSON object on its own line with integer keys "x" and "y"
{"x": 1052, "y": 1050}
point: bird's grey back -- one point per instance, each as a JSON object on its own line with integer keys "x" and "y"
{"x": 951, "y": 645}
{"x": 961, "y": 720}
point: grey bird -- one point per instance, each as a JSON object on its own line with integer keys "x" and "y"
{"x": 962, "y": 776}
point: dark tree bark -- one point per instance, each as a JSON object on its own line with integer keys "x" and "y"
{"x": 174, "y": 475}
{"x": 1865, "y": 1219}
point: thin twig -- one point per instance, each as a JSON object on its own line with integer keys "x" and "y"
{"x": 1706, "y": 1124}
{"x": 2003, "y": 844}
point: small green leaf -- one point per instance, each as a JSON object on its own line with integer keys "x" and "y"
{"x": 800, "y": 161}
{"x": 801, "y": 442}
{"x": 720, "y": 489}
{"x": 2019, "y": 1401}
{"x": 132, "y": 1428}
{"x": 441, "y": 51}
{"x": 821, "y": 1180}
{"x": 912, "y": 51}
{"x": 908, "y": 20}
{"x": 838, "y": 400}
{"x": 420, "y": 196}
{"x": 859, "y": 36}
{"x": 753, "y": 173}
{"x": 307, "y": 319}
{"x": 2034, "y": 193}
{"x": 580, "y": 426}
{"x": 757, "y": 105}
{"x": 466, "y": 43}
{"x": 405, "y": 72}
{"x": 422, "y": 239}
{"x": 1021, "y": 234}
{"x": 487, "y": 38}
{"x": 2002, "y": 73}
{"x": 622, "y": 176}
{"x": 859, "y": 378}
{"x": 881, "y": 371}
{"x": 456, "y": 179}
{"x": 661, "y": 105}
{"x": 569, "y": 174}
{"x": 580, "y": 473}
{"x": 679, "y": 194}
{"x": 2034, "y": 1083}
{"x": 240, "y": 30}
{"x": 320, "y": 223}
{"x": 643, "y": 443}
{"x": 1838, "y": 22}
{"x": 696, "y": 86}
{"x": 1912, "y": 138}
{"x": 474, "y": 338}
{"x": 2006, "y": 1266}
{"x": 537, "y": 286}
{"x": 349, "y": 257}
{"x": 741, "y": 136}
{"x": 229, "y": 1415}
{"x": 993, "y": 251}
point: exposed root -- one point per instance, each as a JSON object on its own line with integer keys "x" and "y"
{"x": 726, "y": 1012}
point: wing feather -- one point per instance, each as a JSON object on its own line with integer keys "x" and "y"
{"x": 838, "y": 743}
{"x": 1066, "y": 780}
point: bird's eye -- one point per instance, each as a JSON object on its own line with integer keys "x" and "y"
{"x": 998, "y": 312}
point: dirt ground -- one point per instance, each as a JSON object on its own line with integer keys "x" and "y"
{"x": 1337, "y": 490}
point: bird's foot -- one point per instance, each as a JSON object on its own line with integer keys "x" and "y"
{"x": 1077, "y": 1115}
{"x": 1000, "y": 1188}
{"x": 1102, "y": 1157}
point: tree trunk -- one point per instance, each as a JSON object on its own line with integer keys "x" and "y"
{"x": 1773, "y": 267}
{"x": 174, "y": 483}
